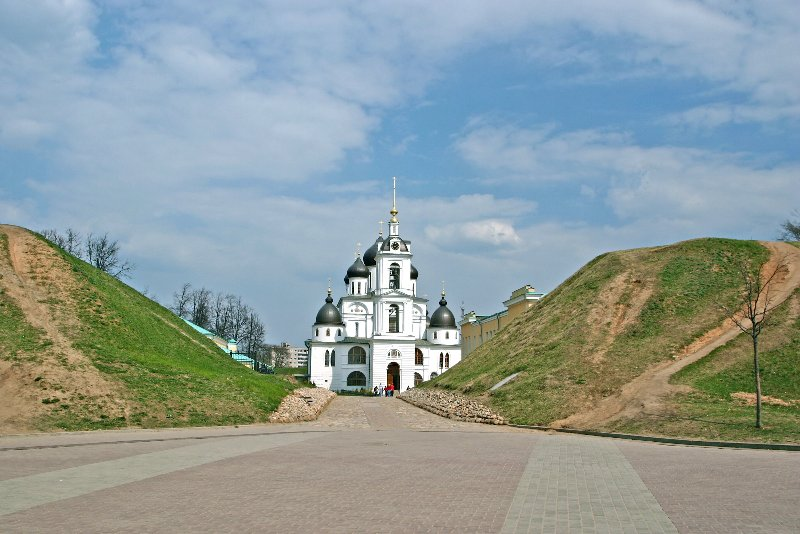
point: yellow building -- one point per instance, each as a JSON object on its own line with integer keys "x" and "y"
{"x": 477, "y": 329}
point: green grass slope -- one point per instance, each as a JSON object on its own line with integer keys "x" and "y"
{"x": 711, "y": 408}
{"x": 621, "y": 313}
{"x": 160, "y": 371}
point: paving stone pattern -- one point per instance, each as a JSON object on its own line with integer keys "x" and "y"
{"x": 382, "y": 465}
{"x": 579, "y": 484}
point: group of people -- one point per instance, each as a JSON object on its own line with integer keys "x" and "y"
{"x": 380, "y": 391}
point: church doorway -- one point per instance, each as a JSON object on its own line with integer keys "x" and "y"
{"x": 393, "y": 375}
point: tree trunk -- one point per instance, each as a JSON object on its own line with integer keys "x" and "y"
{"x": 758, "y": 381}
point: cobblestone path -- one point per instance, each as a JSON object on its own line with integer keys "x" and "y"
{"x": 381, "y": 465}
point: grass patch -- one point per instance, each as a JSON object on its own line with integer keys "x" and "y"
{"x": 19, "y": 341}
{"x": 710, "y": 412}
{"x": 566, "y": 348}
{"x": 171, "y": 375}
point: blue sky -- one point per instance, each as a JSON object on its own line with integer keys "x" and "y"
{"x": 249, "y": 149}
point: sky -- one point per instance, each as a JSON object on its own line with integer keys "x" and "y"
{"x": 249, "y": 147}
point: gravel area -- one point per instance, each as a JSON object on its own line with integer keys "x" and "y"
{"x": 451, "y": 405}
{"x": 303, "y": 404}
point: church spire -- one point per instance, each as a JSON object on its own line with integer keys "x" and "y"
{"x": 394, "y": 224}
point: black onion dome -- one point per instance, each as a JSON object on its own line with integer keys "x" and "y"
{"x": 358, "y": 269}
{"x": 414, "y": 272}
{"x": 369, "y": 255}
{"x": 443, "y": 317}
{"x": 328, "y": 313}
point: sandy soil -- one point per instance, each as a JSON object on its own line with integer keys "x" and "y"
{"x": 647, "y": 392}
{"x": 40, "y": 282}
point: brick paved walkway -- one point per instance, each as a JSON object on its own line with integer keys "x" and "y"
{"x": 381, "y": 465}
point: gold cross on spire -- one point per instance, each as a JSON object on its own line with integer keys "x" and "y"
{"x": 394, "y": 211}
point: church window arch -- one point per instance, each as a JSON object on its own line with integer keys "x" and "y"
{"x": 327, "y": 331}
{"x": 394, "y": 276}
{"x": 417, "y": 379}
{"x": 317, "y": 334}
{"x": 356, "y": 378}
{"x": 357, "y": 356}
{"x": 447, "y": 335}
{"x": 359, "y": 288}
{"x": 394, "y": 318}
{"x": 441, "y": 360}
{"x": 434, "y": 335}
{"x": 394, "y": 354}
{"x": 327, "y": 358}
{"x": 333, "y": 358}
{"x": 338, "y": 331}
{"x": 446, "y": 360}
{"x": 418, "y": 357}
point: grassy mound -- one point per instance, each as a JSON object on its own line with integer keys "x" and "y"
{"x": 718, "y": 406}
{"x": 621, "y": 313}
{"x": 104, "y": 356}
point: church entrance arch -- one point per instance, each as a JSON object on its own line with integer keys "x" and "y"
{"x": 393, "y": 375}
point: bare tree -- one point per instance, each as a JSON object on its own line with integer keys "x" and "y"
{"x": 753, "y": 308}
{"x": 181, "y": 300}
{"x": 791, "y": 229}
{"x": 103, "y": 253}
{"x": 200, "y": 307}
{"x": 279, "y": 355}
{"x": 70, "y": 241}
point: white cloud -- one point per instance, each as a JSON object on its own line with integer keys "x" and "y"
{"x": 487, "y": 231}
{"x": 723, "y": 192}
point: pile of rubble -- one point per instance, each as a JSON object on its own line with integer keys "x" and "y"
{"x": 451, "y": 405}
{"x": 303, "y": 404}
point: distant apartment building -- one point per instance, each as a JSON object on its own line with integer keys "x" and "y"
{"x": 295, "y": 356}
{"x": 477, "y": 329}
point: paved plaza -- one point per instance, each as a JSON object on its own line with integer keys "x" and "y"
{"x": 381, "y": 465}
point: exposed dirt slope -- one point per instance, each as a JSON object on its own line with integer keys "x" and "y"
{"x": 647, "y": 392}
{"x": 37, "y": 280}
{"x": 80, "y": 350}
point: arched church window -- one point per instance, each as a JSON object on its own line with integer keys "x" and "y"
{"x": 417, "y": 357}
{"x": 434, "y": 335}
{"x": 394, "y": 276}
{"x": 441, "y": 360}
{"x": 333, "y": 358}
{"x": 447, "y": 335}
{"x": 359, "y": 288}
{"x": 357, "y": 356}
{"x": 394, "y": 354}
{"x": 338, "y": 331}
{"x": 317, "y": 334}
{"x": 357, "y": 329}
{"x": 327, "y": 358}
{"x": 434, "y": 375}
{"x": 327, "y": 331}
{"x": 394, "y": 318}
{"x": 447, "y": 359}
{"x": 356, "y": 378}
{"x": 417, "y": 379}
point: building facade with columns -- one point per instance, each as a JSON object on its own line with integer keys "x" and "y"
{"x": 379, "y": 332}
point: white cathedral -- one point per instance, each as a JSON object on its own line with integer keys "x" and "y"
{"x": 379, "y": 332}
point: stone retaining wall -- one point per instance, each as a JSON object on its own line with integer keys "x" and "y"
{"x": 451, "y": 405}
{"x": 303, "y": 404}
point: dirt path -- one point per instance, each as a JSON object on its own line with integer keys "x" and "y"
{"x": 647, "y": 392}
{"x": 39, "y": 282}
